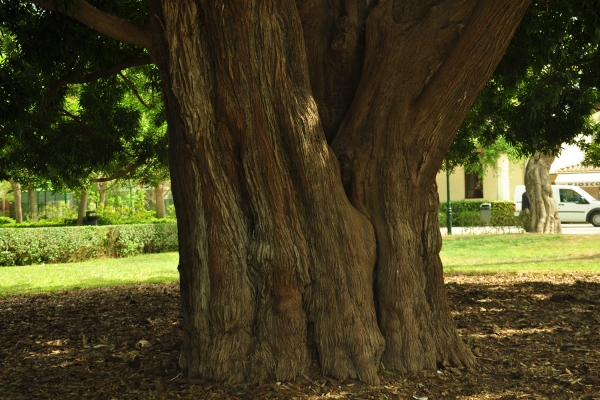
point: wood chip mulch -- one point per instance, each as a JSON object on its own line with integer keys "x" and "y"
{"x": 535, "y": 336}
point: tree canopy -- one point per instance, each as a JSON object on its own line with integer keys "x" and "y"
{"x": 76, "y": 105}
{"x": 545, "y": 88}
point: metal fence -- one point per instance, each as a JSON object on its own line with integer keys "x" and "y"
{"x": 43, "y": 199}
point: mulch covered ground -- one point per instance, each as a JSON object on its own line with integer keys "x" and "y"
{"x": 536, "y": 337}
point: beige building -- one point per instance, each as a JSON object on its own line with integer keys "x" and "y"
{"x": 587, "y": 178}
{"x": 497, "y": 184}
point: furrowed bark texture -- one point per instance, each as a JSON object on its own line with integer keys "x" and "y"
{"x": 425, "y": 62}
{"x": 277, "y": 250}
{"x": 544, "y": 212}
{"x": 269, "y": 243}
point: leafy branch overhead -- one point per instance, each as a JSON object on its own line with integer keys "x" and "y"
{"x": 545, "y": 89}
{"x": 76, "y": 106}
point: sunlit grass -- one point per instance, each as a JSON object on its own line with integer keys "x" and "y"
{"x": 514, "y": 253}
{"x": 146, "y": 268}
{"x": 461, "y": 254}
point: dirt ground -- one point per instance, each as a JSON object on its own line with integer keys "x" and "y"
{"x": 535, "y": 336}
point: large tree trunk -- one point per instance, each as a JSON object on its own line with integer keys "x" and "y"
{"x": 17, "y": 202}
{"x": 32, "y": 202}
{"x": 275, "y": 255}
{"x": 82, "y": 207}
{"x": 424, "y": 65}
{"x": 544, "y": 212}
{"x": 269, "y": 244}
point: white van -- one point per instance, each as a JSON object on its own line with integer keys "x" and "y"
{"x": 574, "y": 204}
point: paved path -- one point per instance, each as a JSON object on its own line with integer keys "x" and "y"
{"x": 568, "y": 229}
{"x": 580, "y": 229}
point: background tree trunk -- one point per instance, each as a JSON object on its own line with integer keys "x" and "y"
{"x": 82, "y": 207}
{"x": 17, "y": 202}
{"x": 544, "y": 212}
{"x": 102, "y": 189}
{"x": 159, "y": 199}
{"x": 32, "y": 202}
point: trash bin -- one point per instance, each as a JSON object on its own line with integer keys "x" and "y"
{"x": 91, "y": 219}
{"x": 486, "y": 212}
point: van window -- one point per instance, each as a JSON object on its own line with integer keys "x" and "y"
{"x": 473, "y": 186}
{"x": 571, "y": 196}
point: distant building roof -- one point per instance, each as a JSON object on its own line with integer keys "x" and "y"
{"x": 577, "y": 168}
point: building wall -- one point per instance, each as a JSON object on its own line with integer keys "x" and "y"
{"x": 498, "y": 183}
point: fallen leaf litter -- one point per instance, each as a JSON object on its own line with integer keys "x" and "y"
{"x": 535, "y": 337}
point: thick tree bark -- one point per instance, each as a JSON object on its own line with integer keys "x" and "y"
{"x": 425, "y": 63}
{"x": 269, "y": 243}
{"x": 544, "y": 212}
{"x": 17, "y": 202}
{"x": 276, "y": 247}
{"x": 82, "y": 207}
{"x": 32, "y": 202}
{"x": 278, "y": 251}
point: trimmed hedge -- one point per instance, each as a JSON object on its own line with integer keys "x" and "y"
{"x": 467, "y": 213}
{"x": 79, "y": 243}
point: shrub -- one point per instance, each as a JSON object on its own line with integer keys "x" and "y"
{"x": 110, "y": 215}
{"x": 128, "y": 240}
{"x": 467, "y": 213}
{"x": 469, "y": 218}
{"x": 80, "y": 243}
{"x": 503, "y": 214}
{"x": 6, "y": 220}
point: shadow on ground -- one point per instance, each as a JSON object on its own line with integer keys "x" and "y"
{"x": 535, "y": 336}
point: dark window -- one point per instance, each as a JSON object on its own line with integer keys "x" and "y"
{"x": 473, "y": 186}
{"x": 571, "y": 196}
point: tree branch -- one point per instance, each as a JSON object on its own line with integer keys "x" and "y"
{"x": 135, "y": 91}
{"x": 76, "y": 119}
{"x": 118, "y": 174}
{"x": 151, "y": 199}
{"x": 107, "y": 24}
{"x": 71, "y": 79}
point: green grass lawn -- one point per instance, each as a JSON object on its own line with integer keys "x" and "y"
{"x": 96, "y": 273}
{"x": 513, "y": 253}
{"x": 466, "y": 254}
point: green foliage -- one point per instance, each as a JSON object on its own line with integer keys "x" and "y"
{"x": 58, "y": 212}
{"x": 468, "y": 218}
{"x": 128, "y": 240}
{"x": 524, "y": 221}
{"x": 110, "y": 215}
{"x": 467, "y": 213}
{"x": 544, "y": 90}
{"x": 70, "y": 244}
{"x": 6, "y": 220}
{"x": 502, "y": 214}
{"x": 75, "y": 105}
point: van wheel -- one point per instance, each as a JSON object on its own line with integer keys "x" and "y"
{"x": 595, "y": 219}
